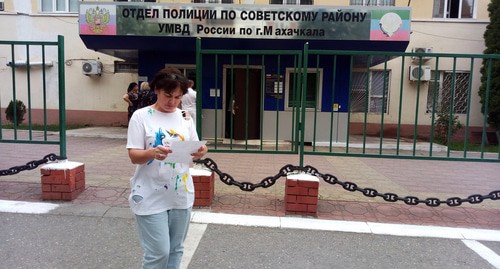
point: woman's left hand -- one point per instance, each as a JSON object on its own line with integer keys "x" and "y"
{"x": 200, "y": 153}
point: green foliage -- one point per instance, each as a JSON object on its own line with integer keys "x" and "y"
{"x": 442, "y": 125}
{"x": 492, "y": 43}
{"x": 20, "y": 112}
{"x": 459, "y": 146}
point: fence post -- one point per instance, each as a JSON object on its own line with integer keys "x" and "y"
{"x": 303, "y": 88}
{"x": 62, "y": 96}
{"x": 62, "y": 181}
{"x": 203, "y": 181}
{"x": 301, "y": 194}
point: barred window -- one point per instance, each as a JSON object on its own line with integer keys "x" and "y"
{"x": 440, "y": 92}
{"x": 376, "y": 96}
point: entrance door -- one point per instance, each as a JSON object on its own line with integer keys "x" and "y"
{"x": 243, "y": 103}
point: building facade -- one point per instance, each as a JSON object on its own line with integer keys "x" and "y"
{"x": 127, "y": 49}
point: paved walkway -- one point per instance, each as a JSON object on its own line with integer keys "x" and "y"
{"x": 108, "y": 170}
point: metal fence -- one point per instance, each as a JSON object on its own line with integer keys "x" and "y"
{"x": 345, "y": 103}
{"x": 29, "y": 88}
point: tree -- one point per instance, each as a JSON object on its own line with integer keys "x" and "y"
{"x": 492, "y": 43}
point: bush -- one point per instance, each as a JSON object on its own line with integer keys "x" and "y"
{"x": 20, "y": 112}
{"x": 442, "y": 125}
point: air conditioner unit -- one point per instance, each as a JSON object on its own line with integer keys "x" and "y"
{"x": 421, "y": 50}
{"x": 91, "y": 67}
{"x": 422, "y": 73}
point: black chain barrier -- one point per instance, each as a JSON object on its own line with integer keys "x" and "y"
{"x": 30, "y": 165}
{"x": 348, "y": 186}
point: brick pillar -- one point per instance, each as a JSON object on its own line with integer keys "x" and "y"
{"x": 301, "y": 195}
{"x": 203, "y": 186}
{"x": 63, "y": 180}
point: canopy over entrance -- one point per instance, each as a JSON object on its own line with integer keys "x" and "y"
{"x": 123, "y": 29}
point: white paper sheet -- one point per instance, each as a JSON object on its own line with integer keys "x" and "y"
{"x": 182, "y": 150}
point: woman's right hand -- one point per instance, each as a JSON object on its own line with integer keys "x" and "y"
{"x": 142, "y": 156}
{"x": 161, "y": 152}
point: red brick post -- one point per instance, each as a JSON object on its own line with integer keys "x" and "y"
{"x": 203, "y": 187}
{"x": 301, "y": 195}
{"x": 63, "y": 180}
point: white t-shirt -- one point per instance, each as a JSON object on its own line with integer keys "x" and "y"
{"x": 189, "y": 103}
{"x": 158, "y": 186}
{"x": 189, "y": 100}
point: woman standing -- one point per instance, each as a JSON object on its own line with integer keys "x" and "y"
{"x": 132, "y": 98}
{"x": 162, "y": 193}
{"x": 189, "y": 101}
{"x": 147, "y": 96}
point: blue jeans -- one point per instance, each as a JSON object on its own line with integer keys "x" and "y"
{"x": 162, "y": 238}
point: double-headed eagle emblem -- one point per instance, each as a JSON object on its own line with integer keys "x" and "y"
{"x": 97, "y": 18}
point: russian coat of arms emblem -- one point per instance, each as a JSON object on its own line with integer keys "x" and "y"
{"x": 97, "y": 18}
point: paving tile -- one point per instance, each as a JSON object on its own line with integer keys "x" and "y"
{"x": 108, "y": 171}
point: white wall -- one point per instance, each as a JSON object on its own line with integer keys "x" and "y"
{"x": 102, "y": 93}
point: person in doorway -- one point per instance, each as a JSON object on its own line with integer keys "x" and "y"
{"x": 147, "y": 96}
{"x": 189, "y": 101}
{"x": 132, "y": 98}
{"x": 162, "y": 193}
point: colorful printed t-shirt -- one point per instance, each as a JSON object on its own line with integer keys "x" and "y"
{"x": 158, "y": 186}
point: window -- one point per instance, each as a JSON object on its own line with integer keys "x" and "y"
{"x": 377, "y": 91}
{"x": 213, "y": 1}
{"x": 443, "y": 86}
{"x": 188, "y": 70}
{"x": 126, "y": 67}
{"x": 372, "y": 2}
{"x": 67, "y": 6}
{"x": 313, "y": 88}
{"x": 291, "y": 2}
{"x": 458, "y": 9}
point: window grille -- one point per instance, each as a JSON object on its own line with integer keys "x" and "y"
{"x": 377, "y": 91}
{"x": 443, "y": 86}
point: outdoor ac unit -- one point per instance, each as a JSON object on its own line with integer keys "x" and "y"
{"x": 421, "y": 50}
{"x": 91, "y": 67}
{"x": 422, "y": 73}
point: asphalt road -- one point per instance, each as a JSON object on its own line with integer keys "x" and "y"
{"x": 72, "y": 241}
{"x": 225, "y": 246}
{"x": 62, "y": 241}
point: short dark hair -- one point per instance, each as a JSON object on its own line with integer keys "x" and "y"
{"x": 168, "y": 79}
